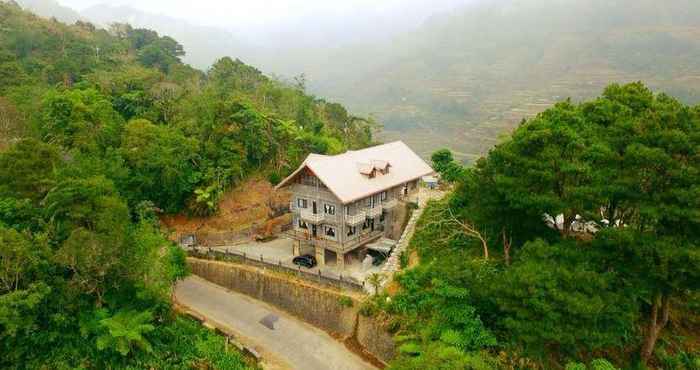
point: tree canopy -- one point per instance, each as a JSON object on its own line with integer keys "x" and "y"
{"x": 591, "y": 212}
{"x": 100, "y": 131}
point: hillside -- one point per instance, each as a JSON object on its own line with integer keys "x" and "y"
{"x": 467, "y": 77}
{"x": 101, "y": 133}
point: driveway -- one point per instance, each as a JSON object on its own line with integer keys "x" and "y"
{"x": 273, "y": 333}
{"x": 279, "y": 249}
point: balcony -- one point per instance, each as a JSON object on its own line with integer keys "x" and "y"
{"x": 389, "y": 204}
{"x": 308, "y": 216}
{"x": 321, "y": 241}
{"x": 357, "y": 219}
{"x": 375, "y": 211}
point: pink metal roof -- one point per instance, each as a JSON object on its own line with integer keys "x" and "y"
{"x": 343, "y": 173}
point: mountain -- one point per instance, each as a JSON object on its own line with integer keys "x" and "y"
{"x": 203, "y": 45}
{"x": 51, "y": 8}
{"x": 467, "y": 77}
{"x": 469, "y": 73}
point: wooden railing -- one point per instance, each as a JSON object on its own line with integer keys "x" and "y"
{"x": 321, "y": 241}
{"x": 389, "y": 204}
{"x": 375, "y": 211}
{"x": 356, "y": 219}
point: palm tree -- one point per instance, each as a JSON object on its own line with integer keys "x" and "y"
{"x": 376, "y": 279}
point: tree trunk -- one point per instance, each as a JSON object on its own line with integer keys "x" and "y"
{"x": 506, "y": 247}
{"x": 657, "y": 322}
{"x": 486, "y": 248}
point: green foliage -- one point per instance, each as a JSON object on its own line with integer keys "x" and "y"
{"x": 27, "y": 170}
{"x": 375, "y": 280}
{"x": 439, "y": 356}
{"x": 441, "y": 159}
{"x": 574, "y": 303}
{"x": 125, "y": 331}
{"x": 445, "y": 165}
{"x": 19, "y": 259}
{"x": 79, "y": 118}
{"x": 597, "y": 364}
{"x": 162, "y": 163}
{"x": 345, "y": 301}
{"x": 591, "y": 214}
{"x": 100, "y": 132}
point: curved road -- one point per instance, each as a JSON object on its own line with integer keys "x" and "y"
{"x": 283, "y": 341}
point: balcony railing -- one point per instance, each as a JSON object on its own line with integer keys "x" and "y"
{"x": 389, "y": 204}
{"x": 356, "y": 219}
{"x": 322, "y": 241}
{"x": 375, "y": 211}
{"x": 308, "y": 216}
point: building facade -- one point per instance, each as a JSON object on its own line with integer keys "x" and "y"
{"x": 341, "y": 203}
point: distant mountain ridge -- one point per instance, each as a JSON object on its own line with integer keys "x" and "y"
{"x": 466, "y": 78}
{"x": 203, "y": 45}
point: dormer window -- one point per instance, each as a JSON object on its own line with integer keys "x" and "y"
{"x": 374, "y": 169}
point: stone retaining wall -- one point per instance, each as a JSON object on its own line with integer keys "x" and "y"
{"x": 322, "y": 307}
{"x": 372, "y": 336}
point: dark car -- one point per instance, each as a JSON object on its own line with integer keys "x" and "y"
{"x": 306, "y": 260}
{"x": 377, "y": 257}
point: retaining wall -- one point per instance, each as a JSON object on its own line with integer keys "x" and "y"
{"x": 372, "y": 336}
{"x": 317, "y": 306}
{"x": 320, "y": 306}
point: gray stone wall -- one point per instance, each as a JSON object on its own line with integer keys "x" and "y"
{"x": 317, "y": 306}
{"x": 372, "y": 336}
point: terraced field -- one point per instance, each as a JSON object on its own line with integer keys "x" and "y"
{"x": 464, "y": 80}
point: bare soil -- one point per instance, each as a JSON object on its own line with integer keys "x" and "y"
{"x": 251, "y": 203}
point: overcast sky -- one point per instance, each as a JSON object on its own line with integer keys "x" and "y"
{"x": 238, "y": 14}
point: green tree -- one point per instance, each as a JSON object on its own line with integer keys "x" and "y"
{"x": 18, "y": 260}
{"x": 27, "y": 169}
{"x": 441, "y": 159}
{"x": 570, "y": 305}
{"x": 162, "y": 162}
{"x": 79, "y": 118}
{"x": 90, "y": 223}
{"x": 126, "y": 331}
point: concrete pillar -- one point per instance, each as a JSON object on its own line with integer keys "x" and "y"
{"x": 296, "y": 248}
{"x": 321, "y": 256}
{"x": 340, "y": 260}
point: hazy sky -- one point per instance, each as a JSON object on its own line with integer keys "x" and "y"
{"x": 237, "y": 14}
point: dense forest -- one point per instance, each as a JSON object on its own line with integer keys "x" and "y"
{"x": 574, "y": 244}
{"x": 101, "y": 131}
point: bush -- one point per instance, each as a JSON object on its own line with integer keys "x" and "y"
{"x": 346, "y": 301}
{"x": 274, "y": 178}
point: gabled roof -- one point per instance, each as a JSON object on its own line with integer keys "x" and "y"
{"x": 347, "y": 175}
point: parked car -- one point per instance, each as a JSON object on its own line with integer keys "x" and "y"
{"x": 306, "y": 260}
{"x": 377, "y": 257}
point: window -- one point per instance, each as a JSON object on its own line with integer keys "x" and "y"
{"x": 382, "y": 217}
{"x": 330, "y": 231}
{"x": 352, "y": 230}
{"x": 302, "y": 203}
{"x": 347, "y": 210}
{"x": 329, "y": 209}
{"x": 302, "y": 224}
{"x": 384, "y": 195}
{"x": 365, "y": 225}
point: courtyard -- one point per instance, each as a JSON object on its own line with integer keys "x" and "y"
{"x": 281, "y": 250}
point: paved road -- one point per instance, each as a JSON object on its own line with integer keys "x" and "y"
{"x": 293, "y": 343}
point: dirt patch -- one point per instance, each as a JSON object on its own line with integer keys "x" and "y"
{"x": 413, "y": 259}
{"x": 252, "y": 204}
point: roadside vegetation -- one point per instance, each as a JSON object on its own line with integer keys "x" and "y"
{"x": 612, "y": 284}
{"x": 100, "y": 133}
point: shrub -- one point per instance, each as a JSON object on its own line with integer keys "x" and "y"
{"x": 345, "y": 301}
